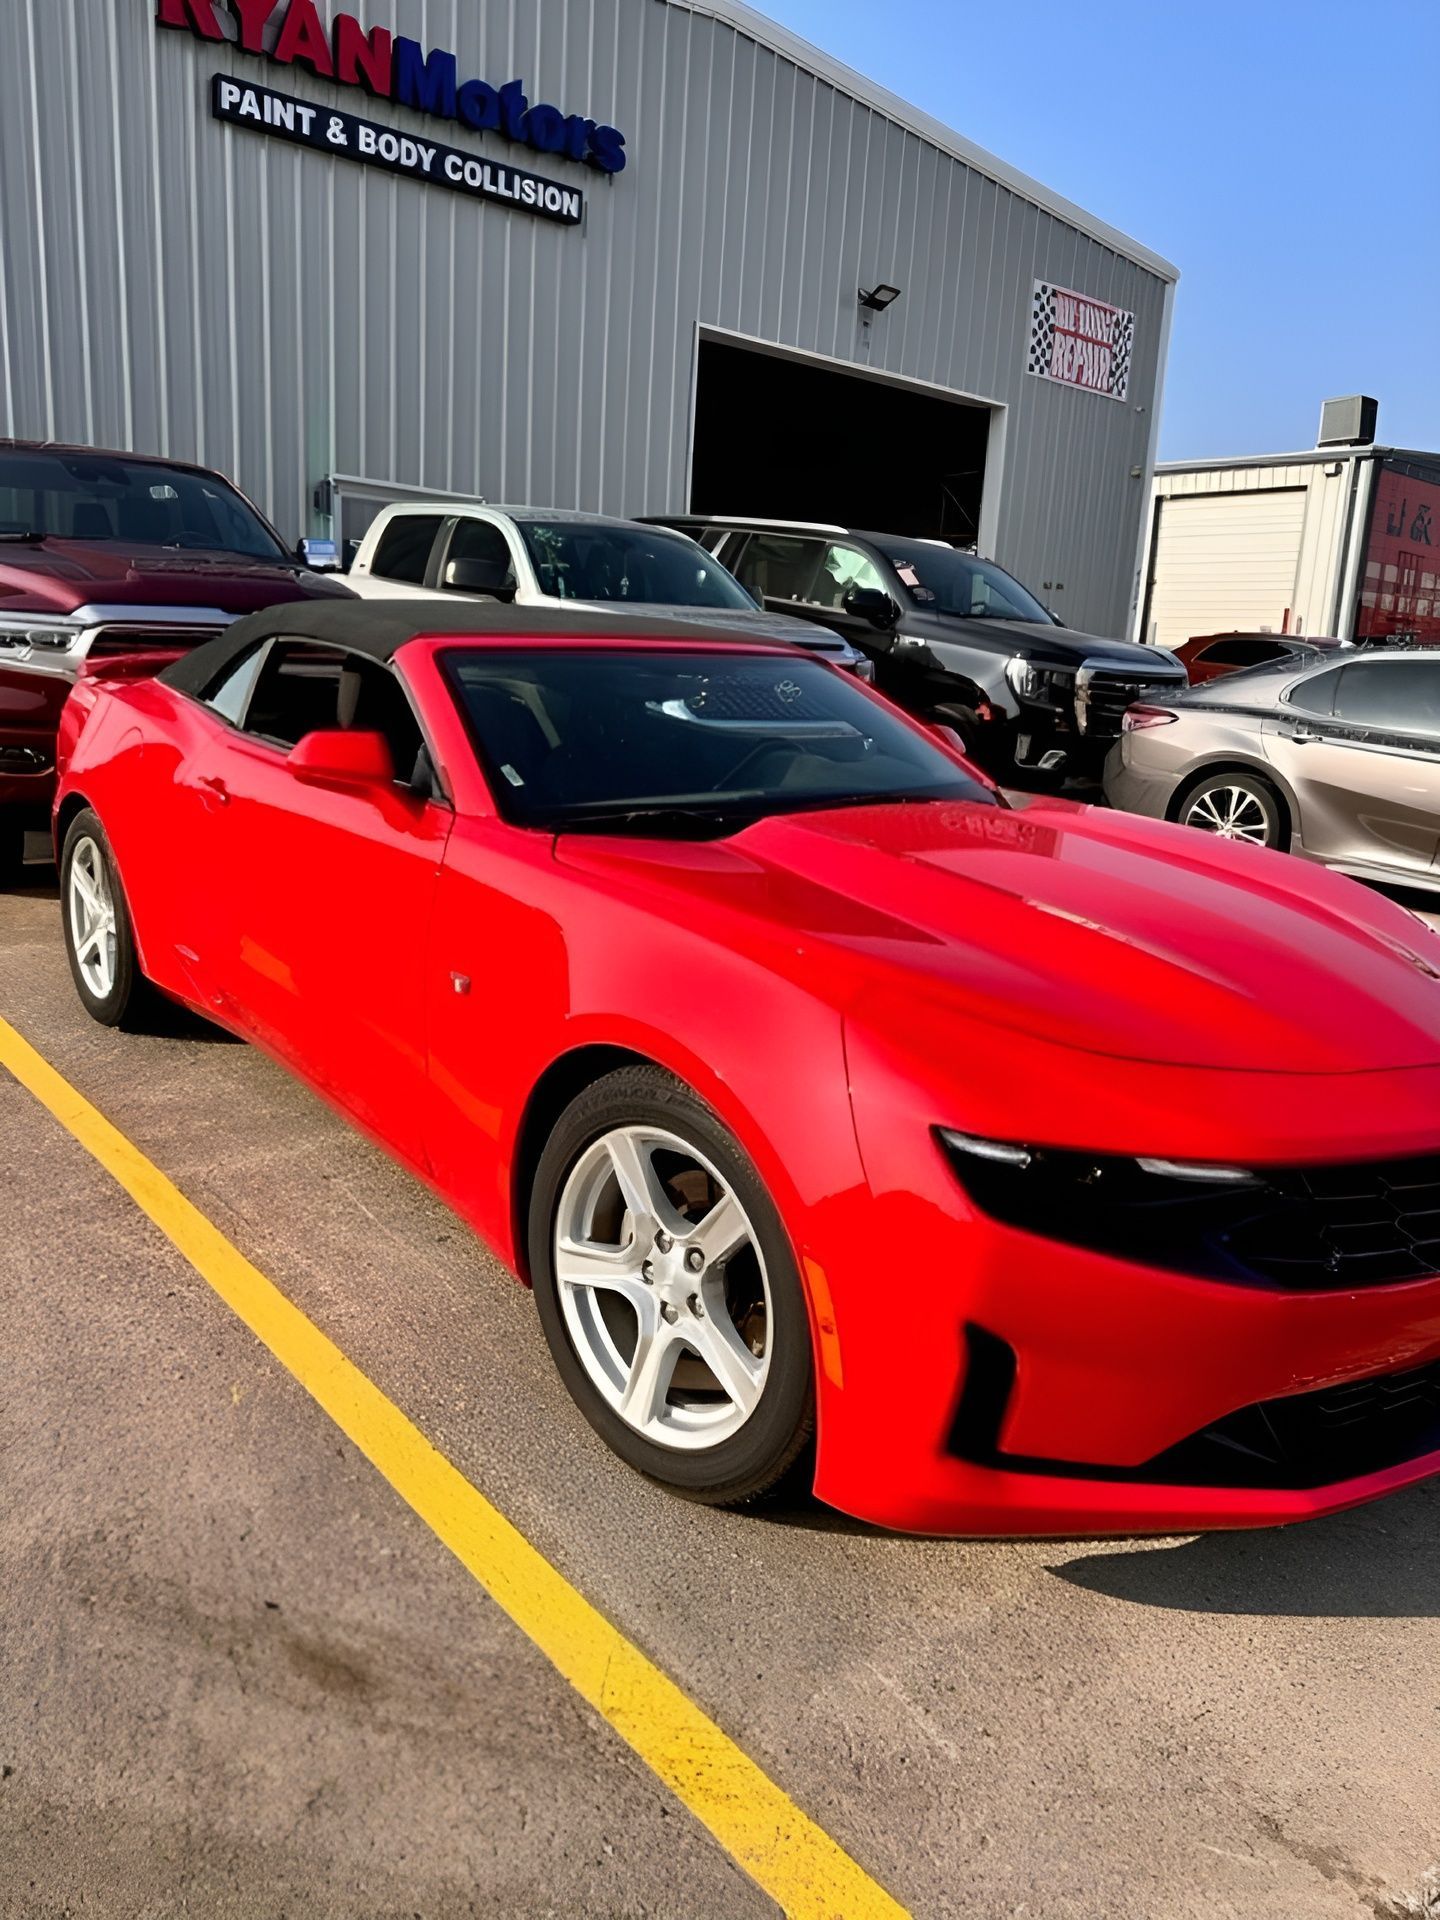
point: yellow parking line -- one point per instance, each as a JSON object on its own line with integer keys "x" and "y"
{"x": 784, "y": 1852}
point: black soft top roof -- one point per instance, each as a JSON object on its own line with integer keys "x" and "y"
{"x": 380, "y": 628}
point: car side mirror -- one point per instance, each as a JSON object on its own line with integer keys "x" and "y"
{"x": 874, "y": 605}
{"x": 336, "y": 758}
{"x": 320, "y": 556}
{"x": 478, "y": 576}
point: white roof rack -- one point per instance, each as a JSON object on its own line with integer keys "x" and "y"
{"x": 744, "y": 520}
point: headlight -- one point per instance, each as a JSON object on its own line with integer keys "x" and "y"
{"x": 1044, "y": 686}
{"x": 1184, "y": 1216}
{"x": 1025, "y": 680}
{"x": 24, "y": 636}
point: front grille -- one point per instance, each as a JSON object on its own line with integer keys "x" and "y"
{"x": 115, "y": 640}
{"x": 1297, "y": 1442}
{"x": 1313, "y": 1439}
{"x": 1370, "y": 1225}
{"x": 1101, "y": 701}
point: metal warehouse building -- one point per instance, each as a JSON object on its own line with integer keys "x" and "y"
{"x": 595, "y": 253}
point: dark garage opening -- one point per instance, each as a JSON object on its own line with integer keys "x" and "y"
{"x": 783, "y": 439}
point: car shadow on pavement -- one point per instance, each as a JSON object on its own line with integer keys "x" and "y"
{"x": 39, "y": 882}
{"x": 1381, "y": 1562}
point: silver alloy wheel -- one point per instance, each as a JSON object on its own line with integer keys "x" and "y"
{"x": 663, "y": 1288}
{"x": 92, "y": 918}
{"x": 1235, "y": 813}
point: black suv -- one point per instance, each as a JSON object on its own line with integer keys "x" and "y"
{"x": 954, "y": 638}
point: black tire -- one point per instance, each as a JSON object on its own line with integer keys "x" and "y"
{"x": 12, "y": 851}
{"x": 1232, "y": 789}
{"x": 131, "y": 1002}
{"x": 755, "y": 1460}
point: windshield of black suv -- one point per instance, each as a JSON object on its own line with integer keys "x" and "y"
{"x": 102, "y": 498}
{"x": 683, "y": 743}
{"x": 943, "y": 581}
{"x": 642, "y": 566}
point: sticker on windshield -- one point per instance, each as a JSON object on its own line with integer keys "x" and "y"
{"x": 908, "y": 575}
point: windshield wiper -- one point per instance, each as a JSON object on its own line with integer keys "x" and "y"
{"x": 22, "y": 535}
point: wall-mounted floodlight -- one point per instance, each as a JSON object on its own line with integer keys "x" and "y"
{"x": 877, "y": 299}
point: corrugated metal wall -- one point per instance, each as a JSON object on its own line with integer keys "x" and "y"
{"x": 173, "y": 285}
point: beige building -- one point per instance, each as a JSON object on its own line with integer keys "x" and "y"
{"x": 1341, "y": 540}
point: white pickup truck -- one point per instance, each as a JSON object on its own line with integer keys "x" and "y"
{"x": 438, "y": 549}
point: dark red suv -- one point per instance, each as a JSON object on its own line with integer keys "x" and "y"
{"x": 114, "y": 563}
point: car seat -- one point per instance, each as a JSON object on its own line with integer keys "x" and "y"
{"x": 370, "y": 700}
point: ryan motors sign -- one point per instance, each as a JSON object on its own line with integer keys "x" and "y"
{"x": 1080, "y": 342}
{"x": 349, "y": 136}
{"x": 390, "y": 67}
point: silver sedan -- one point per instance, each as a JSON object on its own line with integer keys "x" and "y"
{"x": 1338, "y": 763}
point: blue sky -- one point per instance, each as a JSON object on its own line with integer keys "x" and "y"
{"x": 1282, "y": 154}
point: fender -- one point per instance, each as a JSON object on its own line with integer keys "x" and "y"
{"x": 1242, "y": 756}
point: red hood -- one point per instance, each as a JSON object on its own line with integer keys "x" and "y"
{"x": 60, "y": 576}
{"x": 1087, "y": 929}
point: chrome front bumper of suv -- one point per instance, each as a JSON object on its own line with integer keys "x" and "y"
{"x": 57, "y": 644}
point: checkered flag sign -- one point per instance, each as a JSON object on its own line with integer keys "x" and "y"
{"x": 1080, "y": 342}
{"x": 1042, "y": 329}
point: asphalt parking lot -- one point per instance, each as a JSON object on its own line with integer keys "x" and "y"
{"x": 240, "y": 1677}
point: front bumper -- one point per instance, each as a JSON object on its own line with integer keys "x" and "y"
{"x": 30, "y": 707}
{"x": 1115, "y": 1366}
{"x": 1118, "y": 1367}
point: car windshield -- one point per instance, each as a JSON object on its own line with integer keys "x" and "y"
{"x": 688, "y": 744}
{"x": 943, "y": 581}
{"x": 104, "y": 498}
{"x": 642, "y": 566}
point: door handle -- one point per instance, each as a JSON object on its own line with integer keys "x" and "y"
{"x": 1302, "y": 739}
{"x": 213, "y": 789}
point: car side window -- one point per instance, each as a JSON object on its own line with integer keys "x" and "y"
{"x": 228, "y": 694}
{"x": 778, "y": 566}
{"x": 482, "y": 540}
{"x": 1391, "y": 696}
{"x": 1243, "y": 653}
{"x": 404, "y": 548}
{"x": 1317, "y": 695}
{"x": 842, "y": 570}
{"x": 296, "y": 692}
{"x": 304, "y": 688}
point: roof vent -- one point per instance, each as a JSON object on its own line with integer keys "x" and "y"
{"x": 1349, "y": 422}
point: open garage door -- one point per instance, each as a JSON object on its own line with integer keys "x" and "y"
{"x": 1224, "y": 563}
{"x": 782, "y": 438}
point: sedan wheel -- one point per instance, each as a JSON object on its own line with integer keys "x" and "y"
{"x": 1236, "y": 807}
{"x": 668, "y": 1291}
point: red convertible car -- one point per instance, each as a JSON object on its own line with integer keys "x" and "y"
{"x": 1005, "y": 1171}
